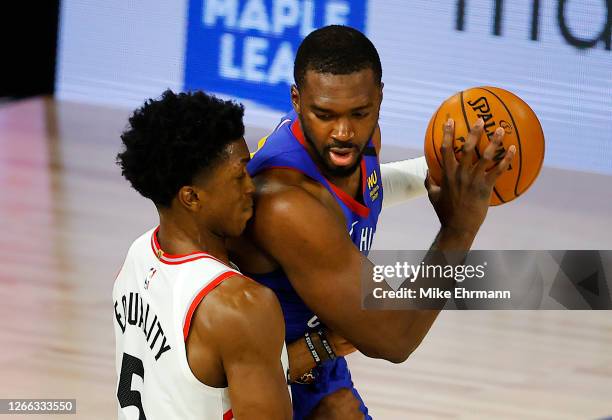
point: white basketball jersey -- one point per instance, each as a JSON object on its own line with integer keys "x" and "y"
{"x": 155, "y": 296}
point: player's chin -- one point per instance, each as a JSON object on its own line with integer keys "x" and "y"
{"x": 344, "y": 169}
{"x": 239, "y": 222}
{"x": 247, "y": 214}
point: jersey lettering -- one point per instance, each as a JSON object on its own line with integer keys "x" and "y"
{"x": 314, "y": 322}
{"x": 136, "y": 311}
{"x": 367, "y": 236}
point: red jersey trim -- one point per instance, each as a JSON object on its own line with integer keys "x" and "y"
{"x": 174, "y": 259}
{"x": 349, "y": 201}
{"x": 228, "y": 415}
{"x": 296, "y": 129}
{"x": 201, "y": 294}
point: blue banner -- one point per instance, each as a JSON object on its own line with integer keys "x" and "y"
{"x": 246, "y": 48}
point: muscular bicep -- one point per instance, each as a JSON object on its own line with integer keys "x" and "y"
{"x": 249, "y": 333}
{"x": 252, "y": 363}
{"x": 312, "y": 245}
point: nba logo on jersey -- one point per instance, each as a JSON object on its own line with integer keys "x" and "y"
{"x": 150, "y": 275}
{"x": 246, "y": 48}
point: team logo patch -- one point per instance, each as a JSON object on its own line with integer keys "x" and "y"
{"x": 373, "y": 186}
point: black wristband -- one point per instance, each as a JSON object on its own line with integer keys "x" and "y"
{"x": 326, "y": 346}
{"x": 311, "y": 347}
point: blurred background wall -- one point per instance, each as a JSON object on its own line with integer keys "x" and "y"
{"x": 555, "y": 54}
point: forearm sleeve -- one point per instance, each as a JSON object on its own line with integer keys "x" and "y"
{"x": 403, "y": 180}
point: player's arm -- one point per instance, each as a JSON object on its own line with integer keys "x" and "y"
{"x": 301, "y": 359}
{"x": 245, "y": 322}
{"x": 402, "y": 180}
{"x": 325, "y": 268}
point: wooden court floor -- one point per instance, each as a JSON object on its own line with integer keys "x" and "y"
{"x": 67, "y": 218}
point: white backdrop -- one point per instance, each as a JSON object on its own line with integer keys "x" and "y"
{"x": 120, "y": 52}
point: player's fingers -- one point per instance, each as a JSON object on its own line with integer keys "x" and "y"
{"x": 469, "y": 147}
{"x": 449, "y": 162}
{"x": 494, "y": 173}
{"x": 429, "y": 181}
{"x": 487, "y": 158}
{"x": 433, "y": 189}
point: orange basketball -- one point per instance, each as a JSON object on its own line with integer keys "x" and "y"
{"x": 498, "y": 108}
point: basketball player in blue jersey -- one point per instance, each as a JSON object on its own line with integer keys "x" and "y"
{"x": 319, "y": 192}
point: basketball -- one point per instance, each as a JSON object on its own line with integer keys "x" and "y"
{"x": 498, "y": 108}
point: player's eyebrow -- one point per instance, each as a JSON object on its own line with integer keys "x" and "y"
{"x": 321, "y": 109}
{"x": 245, "y": 159}
{"x": 359, "y": 108}
{"x": 329, "y": 111}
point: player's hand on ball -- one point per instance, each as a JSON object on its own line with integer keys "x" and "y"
{"x": 462, "y": 199}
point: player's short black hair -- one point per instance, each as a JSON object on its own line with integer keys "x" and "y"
{"x": 336, "y": 49}
{"x": 172, "y": 139}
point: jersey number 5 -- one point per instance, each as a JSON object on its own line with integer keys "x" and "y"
{"x": 130, "y": 366}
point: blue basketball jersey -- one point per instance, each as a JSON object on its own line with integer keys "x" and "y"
{"x": 286, "y": 148}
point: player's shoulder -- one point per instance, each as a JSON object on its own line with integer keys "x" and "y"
{"x": 285, "y": 197}
{"x": 240, "y": 303}
{"x": 282, "y": 187}
{"x": 239, "y": 291}
{"x": 238, "y": 317}
{"x": 283, "y": 194}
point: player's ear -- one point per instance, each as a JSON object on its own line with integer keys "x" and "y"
{"x": 295, "y": 99}
{"x": 190, "y": 198}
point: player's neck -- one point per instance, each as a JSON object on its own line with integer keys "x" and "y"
{"x": 350, "y": 184}
{"x": 178, "y": 238}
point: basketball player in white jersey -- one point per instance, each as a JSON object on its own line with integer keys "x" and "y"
{"x": 194, "y": 337}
